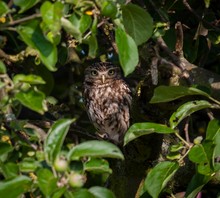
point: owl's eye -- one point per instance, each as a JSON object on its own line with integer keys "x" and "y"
{"x": 94, "y": 73}
{"x": 111, "y": 72}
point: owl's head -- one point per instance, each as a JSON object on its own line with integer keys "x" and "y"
{"x": 102, "y": 73}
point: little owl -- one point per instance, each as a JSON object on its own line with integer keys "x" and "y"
{"x": 108, "y": 100}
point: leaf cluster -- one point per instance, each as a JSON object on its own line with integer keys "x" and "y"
{"x": 44, "y": 47}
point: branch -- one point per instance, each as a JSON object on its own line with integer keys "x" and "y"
{"x": 178, "y": 61}
{"x": 179, "y": 39}
{"x": 18, "y": 57}
{"x": 186, "y": 4}
{"x": 22, "y": 20}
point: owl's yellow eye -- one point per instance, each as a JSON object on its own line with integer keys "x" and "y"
{"x": 111, "y": 72}
{"x": 94, "y": 73}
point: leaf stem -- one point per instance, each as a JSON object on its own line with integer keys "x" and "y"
{"x": 181, "y": 159}
{"x": 184, "y": 141}
{"x": 214, "y": 100}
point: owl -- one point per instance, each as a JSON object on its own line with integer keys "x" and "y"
{"x": 108, "y": 100}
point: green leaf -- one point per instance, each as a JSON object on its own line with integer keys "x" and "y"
{"x": 3, "y": 8}
{"x": 77, "y": 25}
{"x": 15, "y": 187}
{"x": 25, "y": 5}
{"x": 55, "y": 138}
{"x": 158, "y": 177}
{"x": 28, "y": 165}
{"x": 46, "y": 182}
{"x": 31, "y": 79}
{"x": 5, "y": 148}
{"x": 213, "y": 129}
{"x": 173, "y": 156}
{"x": 202, "y": 154}
{"x": 9, "y": 170}
{"x": 51, "y": 15}
{"x": 139, "y": 129}
{"x": 95, "y": 148}
{"x": 33, "y": 99}
{"x": 81, "y": 193}
{"x": 127, "y": 51}
{"x": 196, "y": 185}
{"x": 2, "y": 65}
{"x": 217, "y": 143}
{"x": 59, "y": 192}
{"x": 97, "y": 166}
{"x": 187, "y": 109}
{"x": 85, "y": 23}
{"x": 100, "y": 192}
{"x": 34, "y": 37}
{"x": 138, "y": 23}
{"x": 170, "y": 93}
{"x": 70, "y": 28}
{"x": 93, "y": 45}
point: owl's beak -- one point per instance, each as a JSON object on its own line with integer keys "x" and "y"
{"x": 103, "y": 79}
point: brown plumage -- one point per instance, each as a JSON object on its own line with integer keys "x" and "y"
{"x": 108, "y": 100}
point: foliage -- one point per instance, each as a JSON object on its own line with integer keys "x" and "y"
{"x": 202, "y": 153}
{"x": 44, "y": 47}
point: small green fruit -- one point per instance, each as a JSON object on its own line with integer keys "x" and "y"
{"x": 60, "y": 165}
{"x": 76, "y": 180}
{"x": 109, "y": 9}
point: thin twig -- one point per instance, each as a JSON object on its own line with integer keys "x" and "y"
{"x": 28, "y": 18}
{"x": 186, "y": 130}
{"x": 25, "y": 139}
{"x": 90, "y": 32}
{"x": 210, "y": 114}
{"x": 184, "y": 141}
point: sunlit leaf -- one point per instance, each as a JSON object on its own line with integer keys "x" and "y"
{"x": 139, "y": 129}
{"x": 31, "y": 79}
{"x": 28, "y": 165}
{"x": 187, "y": 109}
{"x": 15, "y": 187}
{"x": 95, "y": 148}
{"x": 138, "y": 23}
{"x": 127, "y": 51}
{"x": 46, "y": 181}
{"x": 51, "y": 15}
{"x": 25, "y": 5}
{"x": 55, "y": 138}
{"x": 33, "y": 99}
{"x": 202, "y": 155}
{"x": 77, "y": 25}
{"x": 3, "y": 8}
{"x": 97, "y": 165}
{"x": 158, "y": 177}
{"x": 100, "y": 192}
{"x": 170, "y": 93}
{"x": 33, "y": 36}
